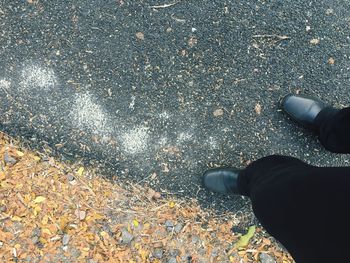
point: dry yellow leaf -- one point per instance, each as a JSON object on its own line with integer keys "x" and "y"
{"x": 45, "y": 220}
{"x": 80, "y": 171}
{"x": 144, "y": 254}
{"x": 19, "y": 153}
{"x": 37, "y": 158}
{"x": 39, "y": 199}
{"x": 2, "y": 175}
{"x": 90, "y": 236}
{"x": 46, "y": 231}
{"x": 63, "y": 222}
{"x": 135, "y": 223}
{"x": 5, "y": 184}
{"x": 16, "y": 218}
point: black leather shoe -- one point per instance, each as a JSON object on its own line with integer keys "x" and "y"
{"x": 303, "y": 109}
{"x": 222, "y": 180}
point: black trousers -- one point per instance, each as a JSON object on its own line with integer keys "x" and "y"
{"x": 306, "y": 208}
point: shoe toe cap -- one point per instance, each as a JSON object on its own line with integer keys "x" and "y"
{"x": 214, "y": 181}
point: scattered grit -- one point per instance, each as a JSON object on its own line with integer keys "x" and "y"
{"x": 55, "y": 212}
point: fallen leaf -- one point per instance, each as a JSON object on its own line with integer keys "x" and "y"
{"x": 80, "y": 171}
{"x": 244, "y": 240}
{"x": 80, "y": 214}
{"x": 46, "y": 231}
{"x": 218, "y": 112}
{"x": 258, "y": 109}
{"x": 19, "y": 153}
{"x": 314, "y": 41}
{"x": 165, "y": 168}
{"x": 2, "y": 176}
{"x": 140, "y": 35}
{"x": 192, "y": 42}
{"x": 39, "y": 199}
{"x": 16, "y": 218}
{"x": 331, "y": 61}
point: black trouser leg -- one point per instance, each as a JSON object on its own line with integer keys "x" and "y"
{"x": 306, "y": 208}
{"x": 334, "y": 129}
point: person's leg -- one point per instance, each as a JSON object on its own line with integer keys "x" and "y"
{"x": 302, "y": 206}
{"x": 334, "y": 129}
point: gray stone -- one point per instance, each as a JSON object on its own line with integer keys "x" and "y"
{"x": 169, "y": 225}
{"x": 3, "y": 208}
{"x": 35, "y": 239}
{"x": 126, "y": 237}
{"x": 70, "y": 177}
{"x": 195, "y": 239}
{"x": 36, "y": 232}
{"x": 158, "y": 253}
{"x": 174, "y": 252}
{"x": 214, "y": 252}
{"x": 266, "y": 258}
{"x": 8, "y": 159}
{"x": 172, "y": 260}
{"x": 65, "y": 239}
{"x": 178, "y": 228}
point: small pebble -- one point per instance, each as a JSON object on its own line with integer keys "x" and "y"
{"x": 214, "y": 252}
{"x": 65, "y": 239}
{"x": 36, "y": 232}
{"x": 126, "y": 237}
{"x": 35, "y": 239}
{"x": 178, "y": 227}
{"x": 195, "y": 239}
{"x": 169, "y": 225}
{"x": 174, "y": 252}
{"x": 70, "y": 177}
{"x": 172, "y": 260}
{"x": 158, "y": 253}
{"x": 329, "y": 12}
{"x": 266, "y": 258}
{"x": 8, "y": 159}
{"x": 3, "y": 208}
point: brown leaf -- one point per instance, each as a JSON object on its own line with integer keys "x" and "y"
{"x": 218, "y": 112}
{"x": 331, "y": 61}
{"x": 315, "y": 41}
{"x": 80, "y": 214}
{"x": 192, "y": 42}
{"x": 258, "y": 109}
{"x": 140, "y": 36}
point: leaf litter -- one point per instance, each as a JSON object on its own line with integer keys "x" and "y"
{"x": 45, "y": 217}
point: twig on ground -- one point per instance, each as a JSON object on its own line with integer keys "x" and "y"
{"x": 164, "y": 6}
{"x": 178, "y": 19}
{"x": 272, "y": 36}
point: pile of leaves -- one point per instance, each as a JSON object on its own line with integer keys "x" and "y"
{"x": 56, "y": 212}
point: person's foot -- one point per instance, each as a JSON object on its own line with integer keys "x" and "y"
{"x": 222, "y": 180}
{"x": 303, "y": 109}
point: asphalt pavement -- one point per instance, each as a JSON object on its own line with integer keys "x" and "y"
{"x": 157, "y": 91}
